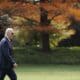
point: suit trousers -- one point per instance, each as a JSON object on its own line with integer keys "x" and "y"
{"x": 9, "y": 72}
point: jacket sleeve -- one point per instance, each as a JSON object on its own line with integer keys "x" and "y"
{"x": 6, "y": 53}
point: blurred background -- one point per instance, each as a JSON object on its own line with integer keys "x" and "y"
{"x": 46, "y": 31}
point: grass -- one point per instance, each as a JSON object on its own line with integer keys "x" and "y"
{"x": 48, "y": 72}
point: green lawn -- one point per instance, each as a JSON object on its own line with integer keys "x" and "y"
{"x": 48, "y": 72}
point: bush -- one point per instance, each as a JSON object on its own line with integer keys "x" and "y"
{"x": 56, "y": 56}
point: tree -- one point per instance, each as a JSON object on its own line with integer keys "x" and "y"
{"x": 42, "y": 13}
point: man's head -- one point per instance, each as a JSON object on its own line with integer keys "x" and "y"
{"x": 9, "y": 33}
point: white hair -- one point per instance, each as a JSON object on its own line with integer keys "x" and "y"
{"x": 8, "y": 31}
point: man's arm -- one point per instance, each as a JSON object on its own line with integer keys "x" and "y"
{"x": 6, "y": 53}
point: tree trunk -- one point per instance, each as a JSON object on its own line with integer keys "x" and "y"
{"x": 44, "y": 35}
{"x": 45, "y": 41}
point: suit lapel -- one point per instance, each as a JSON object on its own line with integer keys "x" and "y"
{"x": 9, "y": 43}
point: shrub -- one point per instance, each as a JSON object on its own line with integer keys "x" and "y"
{"x": 56, "y": 56}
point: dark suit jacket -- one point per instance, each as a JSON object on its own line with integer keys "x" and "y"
{"x": 6, "y": 57}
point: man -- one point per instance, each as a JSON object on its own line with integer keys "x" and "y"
{"x": 7, "y": 63}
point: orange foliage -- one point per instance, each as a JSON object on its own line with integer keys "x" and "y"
{"x": 26, "y": 10}
{"x": 40, "y": 28}
{"x": 31, "y": 11}
{"x": 75, "y": 13}
{"x": 46, "y": 29}
{"x": 61, "y": 18}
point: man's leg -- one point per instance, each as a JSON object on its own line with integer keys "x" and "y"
{"x": 2, "y": 74}
{"x": 12, "y": 75}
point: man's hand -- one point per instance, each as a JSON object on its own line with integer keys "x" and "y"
{"x": 14, "y": 65}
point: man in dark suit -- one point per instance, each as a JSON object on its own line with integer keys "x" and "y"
{"x": 7, "y": 63}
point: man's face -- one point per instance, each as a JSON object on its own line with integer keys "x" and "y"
{"x": 11, "y": 35}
